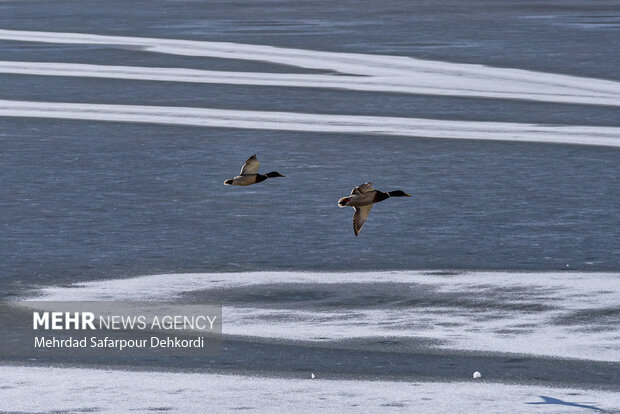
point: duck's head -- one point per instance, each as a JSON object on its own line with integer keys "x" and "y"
{"x": 274, "y": 174}
{"x": 343, "y": 201}
{"x": 398, "y": 193}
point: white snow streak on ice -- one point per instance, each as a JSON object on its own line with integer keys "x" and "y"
{"x": 519, "y": 330}
{"x": 30, "y": 389}
{"x": 377, "y": 72}
{"x": 290, "y": 121}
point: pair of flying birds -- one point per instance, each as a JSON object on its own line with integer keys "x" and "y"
{"x": 361, "y": 198}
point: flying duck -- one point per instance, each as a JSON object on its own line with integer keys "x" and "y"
{"x": 249, "y": 174}
{"x": 362, "y": 198}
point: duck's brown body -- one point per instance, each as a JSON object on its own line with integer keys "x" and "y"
{"x": 362, "y": 198}
{"x": 249, "y": 174}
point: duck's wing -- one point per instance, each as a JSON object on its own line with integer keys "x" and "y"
{"x": 362, "y": 188}
{"x": 251, "y": 166}
{"x": 360, "y": 217}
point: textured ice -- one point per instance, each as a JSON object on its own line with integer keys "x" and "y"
{"x": 291, "y": 121}
{"x": 353, "y": 71}
{"x": 563, "y": 314}
{"x": 29, "y": 389}
{"x": 378, "y": 72}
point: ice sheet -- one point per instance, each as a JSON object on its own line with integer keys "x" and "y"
{"x": 290, "y": 121}
{"x": 563, "y": 314}
{"x": 433, "y": 82}
{"x": 378, "y": 72}
{"x": 30, "y": 389}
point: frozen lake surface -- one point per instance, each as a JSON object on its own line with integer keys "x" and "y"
{"x": 567, "y": 315}
{"x": 435, "y": 106}
{"x": 27, "y": 389}
{"x": 119, "y": 125}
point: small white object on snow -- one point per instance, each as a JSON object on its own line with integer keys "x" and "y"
{"x": 312, "y": 375}
{"x": 477, "y": 375}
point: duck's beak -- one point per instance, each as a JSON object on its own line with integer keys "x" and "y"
{"x": 407, "y": 195}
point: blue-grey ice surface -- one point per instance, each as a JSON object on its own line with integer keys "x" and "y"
{"x": 120, "y": 123}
